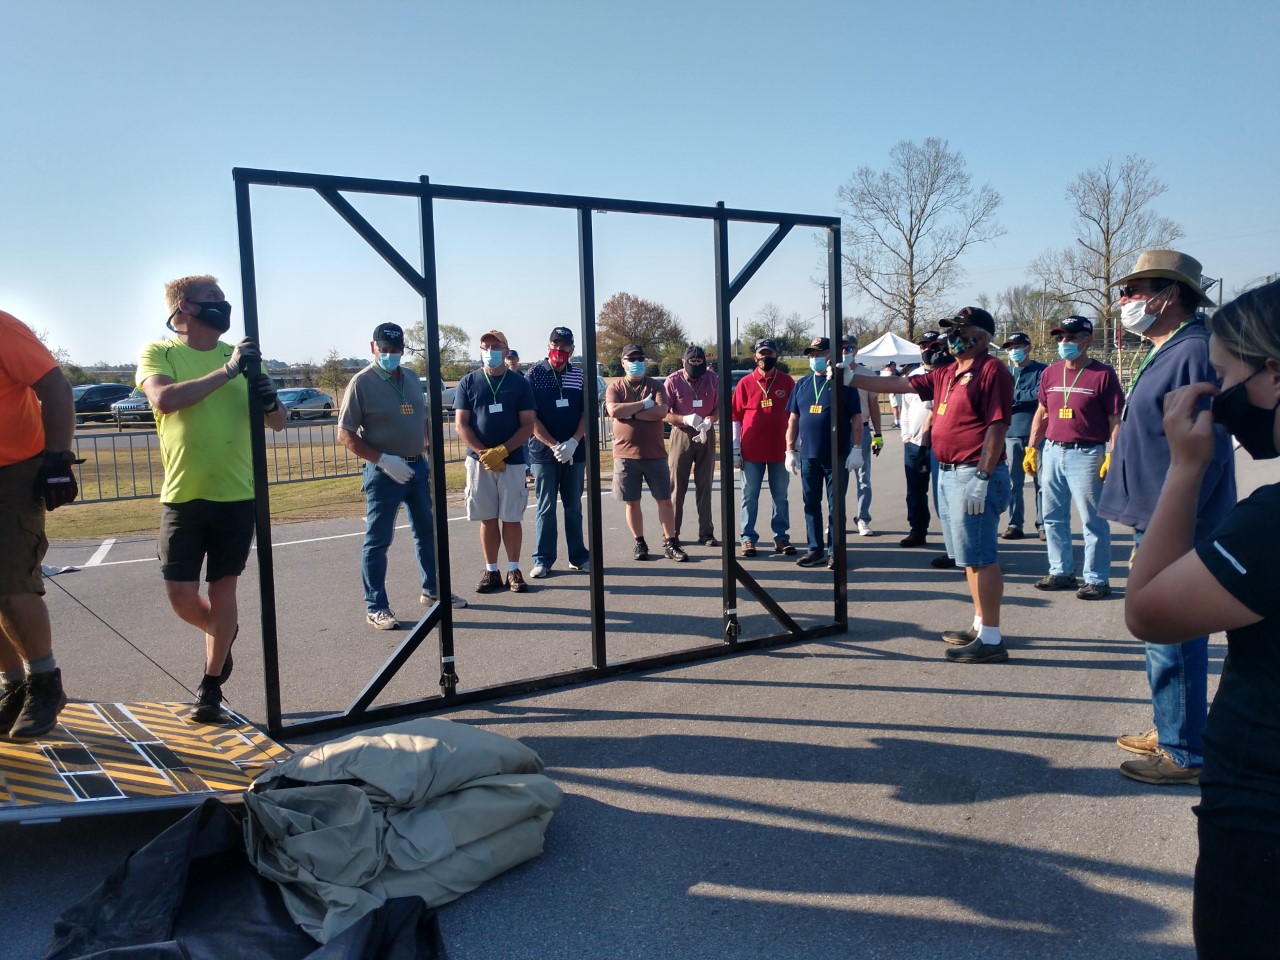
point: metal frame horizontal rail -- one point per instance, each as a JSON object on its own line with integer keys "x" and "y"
{"x": 423, "y": 280}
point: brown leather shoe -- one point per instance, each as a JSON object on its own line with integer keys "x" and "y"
{"x": 515, "y": 582}
{"x": 1160, "y": 769}
{"x": 1140, "y": 743}
{"x": 490, "y": 581}
{"x": 748, "y": 548}
{"x": 1012, "y": 533}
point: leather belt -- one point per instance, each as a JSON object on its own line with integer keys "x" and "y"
{"x": 1076, "y": 444}
{"x": 956, "y": 466}
{"x": 415, "y": 459}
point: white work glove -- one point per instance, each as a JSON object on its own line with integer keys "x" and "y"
{"x": 854, "y": 460}
{"x": 693, "y": 421}
{"x": 847, "y": 370}
{"x": 793, "y": 462}
{"x": 565, "y": 449}
{"x": 975, "y": 496}
{"x": 395, "y": 467}
{"x": 649, "y": 403}
{"x": 699, "y": 437}
{"x": 705, "y": 426}
{"x": 737, "y": 458}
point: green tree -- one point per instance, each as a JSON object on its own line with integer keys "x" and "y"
{"x": 332, "y": 376}
{"x": 625, "y": 319}
{"x": 452, "y": 349}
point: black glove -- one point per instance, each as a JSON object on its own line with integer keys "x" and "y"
{"x": 266, "y": 391}
{"x": 55, "y": 482}
{"x": 245, "y": 353}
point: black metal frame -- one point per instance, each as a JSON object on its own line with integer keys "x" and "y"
{"x": 423, "y": 281}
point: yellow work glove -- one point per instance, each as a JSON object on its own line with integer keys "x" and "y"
{"x": 495, "y": 459}
{"x": 1106, "y": 465}
{"x": 1031, "y": 460}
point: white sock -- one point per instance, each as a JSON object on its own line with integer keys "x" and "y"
{"x": 491, "y": 567}
{"x": 977, "y": 623}
{"x": 989, "y": 635}
{"x": 513, "y": 565}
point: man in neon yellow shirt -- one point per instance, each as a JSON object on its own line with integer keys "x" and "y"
{"x": 193, "y": 382}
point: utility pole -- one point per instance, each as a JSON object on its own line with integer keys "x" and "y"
{"x": 823, "y": 284}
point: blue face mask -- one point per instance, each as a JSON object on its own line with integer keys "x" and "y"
{"x": 635, "y": 368}
{"x": 1017, "y": 355}
{"x": 493, "y": 358}
{"x": 818, "y": 364}
{"x": 389, "y": 361}
{"x": 1068, "y": 350}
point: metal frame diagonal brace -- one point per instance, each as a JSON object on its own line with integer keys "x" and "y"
{"x": 333, "y": 190}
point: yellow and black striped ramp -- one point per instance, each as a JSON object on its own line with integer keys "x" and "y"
{"x": 129, "y": 756}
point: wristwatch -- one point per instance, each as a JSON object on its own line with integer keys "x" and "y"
{"x": 983, "y": 475}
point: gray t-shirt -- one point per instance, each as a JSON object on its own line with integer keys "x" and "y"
{"x": 388, "y": 415}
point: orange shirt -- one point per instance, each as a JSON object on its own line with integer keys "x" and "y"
{"x": 23, "y": 361}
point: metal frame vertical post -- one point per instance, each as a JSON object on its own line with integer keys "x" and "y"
{"x": 730, "y": 624}
{"x": 836, "y": 334}
{"x": 587, "y": 300}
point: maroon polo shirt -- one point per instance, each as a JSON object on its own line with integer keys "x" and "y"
{"x": 760, "y": 405}
{"x": 965, "y": 403}
{"x": 1089, "y": 396}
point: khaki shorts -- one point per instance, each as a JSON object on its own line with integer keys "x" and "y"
{"x": 21, "y": 529}
{"x": 629, "y": 474}
{"x": 496, "y": 496}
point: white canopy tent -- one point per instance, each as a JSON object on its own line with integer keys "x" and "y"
{"x": 889, "y": 347}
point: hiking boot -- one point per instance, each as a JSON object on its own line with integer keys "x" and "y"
{"x": 1160, "y": 769}
{"x": 209, "y": 705}
{"x": 490, "y": 581}
{"x": 641, "y": 551}
{"x": 748, "y": 548}
{"x": 515, "y": 582}
{"x": 12, "y": 697}
{"x": 708, "y": 541}
{"x": 1093, "y": 591}
{"x": 1055, "y": 582}
{"x": 960, "y": 638}
{"x": 943, "y": 563}
{"x": 39, "y": 713}
{"x": 784, "y": 547}
{"x": 812, "y": 559}
{"x": 912, "y": 540}
{"x": 1140, "y": 743}
{"x": 674, "y": 551}
{"x": 978, "y": 652}
{"x": 1012, "y": 533}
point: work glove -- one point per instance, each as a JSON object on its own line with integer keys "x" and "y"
{"x": 877, "y": 444}
{"x": 699, "y": 437}
{"x": 854, "y": 460}
{"x": 693, "y": 421}
{"x": 737, "y": 458}
{"x": 244, "y": 353}
{"x": 1104, "y": 467}
{"x": 846, "y": 370}
{"x": 395, "y": 467}
{"x": 266, "y": 391}
{"x": 649, "y": 403}
{"x": 706, "y": 426}
{"x": 793, "y": 463}
{"x": 975, "y": 496}
{"x": 55, "y": 481}
{"x": 495, "y": 459}
{"x": 1031, "y": 460}
{"x": 564, "y": 451}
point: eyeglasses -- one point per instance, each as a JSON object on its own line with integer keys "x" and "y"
{"x": 1155, "y": 286}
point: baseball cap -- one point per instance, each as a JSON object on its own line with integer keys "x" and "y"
{"x": 493, "y": 335}
{"x": 849, "y": 340}
{"x": 1018, "y": 339}
{"x": 388, "y": 335}
{"x": 560, "y": 333}
{"x": 513, "y": 355}
{"x": 765, "y": 343}
{"x": 971, "y": 315}
{"x": 694, "y": 352}
{"x": 1073, "y": 325}
{"x": 817, "y": 345}
{"x": 929, "y": 336}
{"x": 631, "y": 348}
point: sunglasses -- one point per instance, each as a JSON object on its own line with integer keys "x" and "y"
{"x": 1155, "y": 286}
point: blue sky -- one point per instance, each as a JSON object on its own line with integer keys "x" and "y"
{"x": 123, "y": 121}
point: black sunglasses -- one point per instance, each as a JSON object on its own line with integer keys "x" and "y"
{"x": 1156, "y": 287}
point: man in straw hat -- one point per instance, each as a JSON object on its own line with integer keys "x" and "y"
{"x": 1158, "y": 301}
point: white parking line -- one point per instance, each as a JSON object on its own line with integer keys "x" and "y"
{"x": 101, "y": 553}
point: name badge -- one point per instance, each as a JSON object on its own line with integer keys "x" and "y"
{"x": 406, "y": 408}
{"x": 562, "y": 402}
{"x": 816, "y": 408}
{"x": 697, "y": 403}
{"x": 1066, "y": 413}
{"x": 942, "y": 408}
{"x": 495, "y": 408}
{"x": 766, "y": 404}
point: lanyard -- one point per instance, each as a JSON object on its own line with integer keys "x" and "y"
{"x": 1151, "y": 355}
{"x": 391, "y": 380}
{"x": 626, "y": 385}
{"x": 494, "y": 390}
{"x": 817, "y": 394}
{"x": 1067, "y": 391}
{"x": 765, "y": 387}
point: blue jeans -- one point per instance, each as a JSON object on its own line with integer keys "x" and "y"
{"x": 382, "y": 497}
{"x": 814, "y": 474}
{"x": 779, "y": 479}
{"x": 864, "y": 477}
{"x": 1015, "y": 449}
{"x": 974, "y": 536}
{"x": 937, "y": 506}
{"x": 1178, "y": 674}
{"x": 1071, "y": 474}
{"x": 564, "y": 481}
{"x": 913, "y": 456}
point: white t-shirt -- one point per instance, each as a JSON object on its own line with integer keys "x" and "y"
{"x": 914, "y": 411}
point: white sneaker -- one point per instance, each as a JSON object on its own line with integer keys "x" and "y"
{"x": 427, "y": 599}
{"x": 584, "y": 566}
{"x": 383, "y": 620}
{"x": 538, "y": 572}
{"x": 864, "y": 528}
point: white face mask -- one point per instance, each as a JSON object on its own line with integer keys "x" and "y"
{"x": 1134, "y": 316}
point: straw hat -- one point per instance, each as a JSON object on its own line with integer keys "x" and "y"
{"x": 1168, "y": 265}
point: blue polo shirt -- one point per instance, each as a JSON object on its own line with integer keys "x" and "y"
{"x": 478, "y": 393}
{"x": 815, "y": 428}
{"x": 558, "y": 400}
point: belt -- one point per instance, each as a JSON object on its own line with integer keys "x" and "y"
{"x": 1076, "y": 444}
{"x": 414, "y": 459}
{"x": 956, "y": 466}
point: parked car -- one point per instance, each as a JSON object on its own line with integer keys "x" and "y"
{"x": 135, "y": 408}
{"x": 93, "y": 400}
{"x": 447, "y": 394}
{"x": 305, "y": 403}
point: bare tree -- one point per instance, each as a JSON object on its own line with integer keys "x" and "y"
{"x": 1113, "y": 224}
{"x": 625, "y": 319}
{"x": 1028, "y": 309}
{"x": 907, "y": 225}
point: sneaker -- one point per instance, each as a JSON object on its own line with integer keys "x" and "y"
{"x": 784, "y": 547}
{"x": 960, "y": 638}
{"x": 641, "y": 552}
{"x": 1140, "y": 743}
{"x": 1012, "y": 533}
{"x": 44, "y": 698}
{"x": 539, "y": 571}
{"x": 515, "y": 582}
{"x": 978, "y": 652}
{"x": 427, "y": 599}
{"x": 209, "y": 705}
{"x": 12, "y": 698}
{"x": 584, "y": 566}
{"x": 943, "y": 562}
{"x": 1093, "y": 591}
{"x": 674, "y": 551}
{"x": 831, "y": 561}
{"x": 708, "y": 541}
{"x": 382, "y": 620}
{"x": 748, "y": 548}
{"x": 864, "y": 528}
{"x": 490, "y": 581}
{"x": 812, "y": 559}
{"x": 1159, "y": 768}
{"x": 912, "y": 540}
{"x": 1055, "y": 582}
{"x": 1043, "y": 537}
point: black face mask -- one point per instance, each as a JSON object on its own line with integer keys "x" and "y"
{"x": 695, "y": 370}
{"x": 216, "y": 315}
{"x": 766, "y": 363}
{"x": 1252, "y": 425}
{"x": 934, "y": 357}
